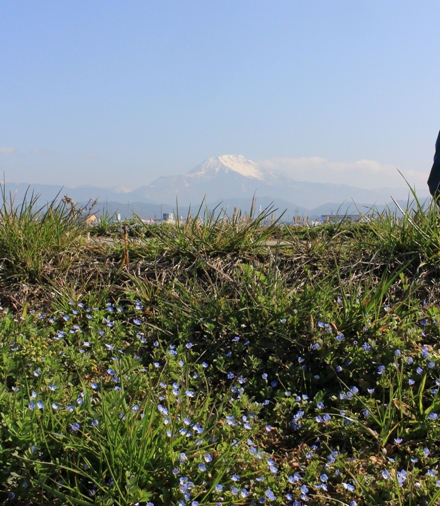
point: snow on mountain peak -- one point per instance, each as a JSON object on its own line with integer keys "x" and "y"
{"x": 235, "y": 163}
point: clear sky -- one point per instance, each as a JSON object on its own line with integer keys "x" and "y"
{"x": 117, "y": 93}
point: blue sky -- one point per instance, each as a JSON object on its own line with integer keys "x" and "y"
{"x": 119, "y": 93}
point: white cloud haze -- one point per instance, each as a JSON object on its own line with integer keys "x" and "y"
{"x": 363, "y": 173}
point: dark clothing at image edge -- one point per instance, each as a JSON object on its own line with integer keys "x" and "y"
{"x": 434, "y": 176}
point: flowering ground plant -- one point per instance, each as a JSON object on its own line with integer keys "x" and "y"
{"x": 301, "y": 373}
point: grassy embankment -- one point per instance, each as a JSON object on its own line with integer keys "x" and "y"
{"x": 195, "y": 365}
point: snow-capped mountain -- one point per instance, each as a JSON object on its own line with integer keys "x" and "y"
{"x": 226, "y": 178}
{"x": 221, "y": 177}
{"x": 228, "y": 163}
{"x": 234, "y": 176}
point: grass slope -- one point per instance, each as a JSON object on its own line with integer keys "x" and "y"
{"x": 195, "y": 365}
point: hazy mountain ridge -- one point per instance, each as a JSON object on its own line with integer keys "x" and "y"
{"x": 233, "y": 176}
{"x": 231, "y": 180}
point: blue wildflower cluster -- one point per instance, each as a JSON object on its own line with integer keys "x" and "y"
{"x": 137, "y": 408}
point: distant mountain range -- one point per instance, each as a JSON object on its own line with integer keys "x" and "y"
{"x": 226, "y": 181}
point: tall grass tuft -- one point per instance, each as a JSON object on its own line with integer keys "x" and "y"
{"x": 414, "y": 230}
{"x": 32, "y": 235}
{"x": 212, "y": 232}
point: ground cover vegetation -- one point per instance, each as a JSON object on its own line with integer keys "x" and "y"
{"x": 218, "y": 361}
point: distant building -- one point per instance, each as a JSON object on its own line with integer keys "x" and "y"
{"x": 338, "y": 218}
{"x": 168, "y": 218}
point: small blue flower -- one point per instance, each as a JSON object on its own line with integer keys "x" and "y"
{"x": 348, "y": 486}
{"x": 401, "y": 477}
{"x": 294, "y": 478}
{"x": 270, "y": 495}
{"x": 234, "y": 490}
{"x": 198, "y": 428}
